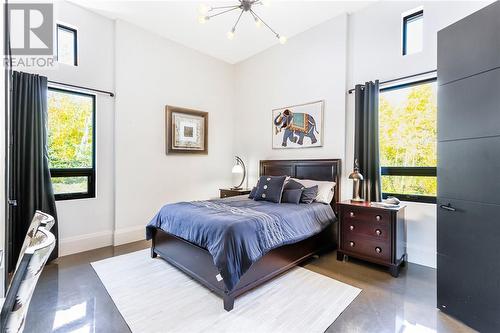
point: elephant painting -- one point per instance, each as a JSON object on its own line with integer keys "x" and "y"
{"x": 295, "y": 127}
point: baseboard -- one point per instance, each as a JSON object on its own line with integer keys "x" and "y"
{"x": 81, "y": 243}
{"x": 129, "y": 235}
{"x": 422, "y": 256}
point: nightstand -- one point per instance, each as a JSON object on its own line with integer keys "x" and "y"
{"x": 227, "y": 192}
{"x": 373, "y": 234}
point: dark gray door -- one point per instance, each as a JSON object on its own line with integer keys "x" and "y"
{"x": 468, "y": 275}
{"x": 468, "y": 241}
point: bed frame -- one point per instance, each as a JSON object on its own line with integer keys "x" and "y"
{"x": 198, "y": 263}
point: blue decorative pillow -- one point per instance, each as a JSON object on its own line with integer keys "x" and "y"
{"x": 252, "y": 192}
{"x": 270, "y": 188}
{"x": 309, "y": 194}
{"x": 293, "y": 185}
{"x": 292, "y": 196}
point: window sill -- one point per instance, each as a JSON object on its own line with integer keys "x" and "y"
{"x": 411, "y": 198}
{"x": 73, "y": 196}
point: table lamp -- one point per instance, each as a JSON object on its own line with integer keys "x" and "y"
{"x": 357, "y": 178}
{"x": 239, "y": 168}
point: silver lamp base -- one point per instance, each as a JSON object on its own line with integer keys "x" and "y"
{"x": 356, "y": 191}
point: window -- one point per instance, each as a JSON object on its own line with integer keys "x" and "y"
{"x": 408, "y": 136}
{"x": 71, "y": 143}
{"x": 67, "y": 45}
{"x": 413, "y": 26}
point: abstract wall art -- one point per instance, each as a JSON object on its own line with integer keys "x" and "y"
{"x": 186, "y": 131}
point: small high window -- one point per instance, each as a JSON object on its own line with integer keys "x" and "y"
{"x": 67, "y": 50}
{"x": 413, "y": 28}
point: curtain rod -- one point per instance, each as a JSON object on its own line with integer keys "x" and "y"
{"x": 85, "y": 88}
{"x": 401, "y": 78}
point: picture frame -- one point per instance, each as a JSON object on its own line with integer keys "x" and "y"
{"x": 298, "y": 126}
{"x": 186, "y": 131}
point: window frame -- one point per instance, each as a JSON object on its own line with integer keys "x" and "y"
{"x": 74, "y": 31}
{"x": 409, "y": 171}
{"x": 90, "y": 173}
{"x": 406, "y": 19}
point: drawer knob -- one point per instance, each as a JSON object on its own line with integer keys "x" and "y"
{"x": 378, "y": 217}
{"x": 378, "y": 232}
{"x": 351, "y": 214}
{"x": 378, "y": 249}
{"x": 351, "y": 227}
{"x": 352, "y": 244}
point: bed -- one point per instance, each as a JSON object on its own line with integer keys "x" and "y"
{"x": 307, "y": 233}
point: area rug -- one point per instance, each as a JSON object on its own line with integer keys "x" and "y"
{"x": 154, "y": 296}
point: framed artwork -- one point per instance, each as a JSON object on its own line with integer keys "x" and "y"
{"x": 298, "y": 126}
{"x": 187, "y": 131}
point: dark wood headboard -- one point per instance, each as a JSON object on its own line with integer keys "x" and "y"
{"x": 326, "y": 170}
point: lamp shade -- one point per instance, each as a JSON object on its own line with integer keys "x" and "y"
{"x": 237, "y": 169}
{"x": 355, "y": 175}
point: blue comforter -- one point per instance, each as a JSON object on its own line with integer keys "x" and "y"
{"x": 238, "y": 231}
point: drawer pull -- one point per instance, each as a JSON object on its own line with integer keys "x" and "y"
{"x": 378, "y": 249}
{"x": 378, "y": 217}
{"x": 352, "y": 244}
{"x": 351, "y": 214}
{"x": 351, "y": 227}
{"x": 378, "y": 232}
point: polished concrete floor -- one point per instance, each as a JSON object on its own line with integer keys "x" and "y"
{"x": 70, "y": 297}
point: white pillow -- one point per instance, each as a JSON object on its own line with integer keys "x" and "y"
{"x": 325, "y": 189}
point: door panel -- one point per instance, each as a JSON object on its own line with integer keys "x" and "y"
{"x": 471, "y": 232}
{"x": 469, "y": 46}
{"x": 470, "y": 170}
{"x": 470, "y": 108}
{"x": 469, "y": 291}
{"x": 468, "y": 283}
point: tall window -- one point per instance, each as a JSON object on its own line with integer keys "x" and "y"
{"x": 67, "y": 45}
{"x": 413, "y": 32}
{"x": 72, "y": 143}
{"x": 408, "y": 136}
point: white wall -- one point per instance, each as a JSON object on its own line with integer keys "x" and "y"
{"x": 152, "y": 72}
{"x": 309, "y": 67}
{"x": 375, "y": 53}
{"x": 88, "y": 223}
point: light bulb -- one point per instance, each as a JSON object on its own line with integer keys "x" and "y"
{"x": 258, "y": 23}
{"x": 266, "y": 3}
{"x": 230, "y": 34}
{"x": 202, "y": 19}
{"x": 282, "y": 39}
{"x": 203, "y": 9}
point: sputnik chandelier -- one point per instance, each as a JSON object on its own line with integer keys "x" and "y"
{"x": 207, "y": 13}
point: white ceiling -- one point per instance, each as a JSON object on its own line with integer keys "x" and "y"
{"x": 178, "y": 21}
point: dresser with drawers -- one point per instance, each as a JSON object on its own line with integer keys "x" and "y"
{"x": 232, "y": 192}
{"x": 373, "y": 234}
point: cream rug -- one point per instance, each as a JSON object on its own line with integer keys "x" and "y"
{"x": 154, "y": 296}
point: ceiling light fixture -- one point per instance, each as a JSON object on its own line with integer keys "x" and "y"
{"x": 206, "y": 13}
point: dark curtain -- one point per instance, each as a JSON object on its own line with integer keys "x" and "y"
{"x": 366, "y": 144}
{"x": 29, "y": 173}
